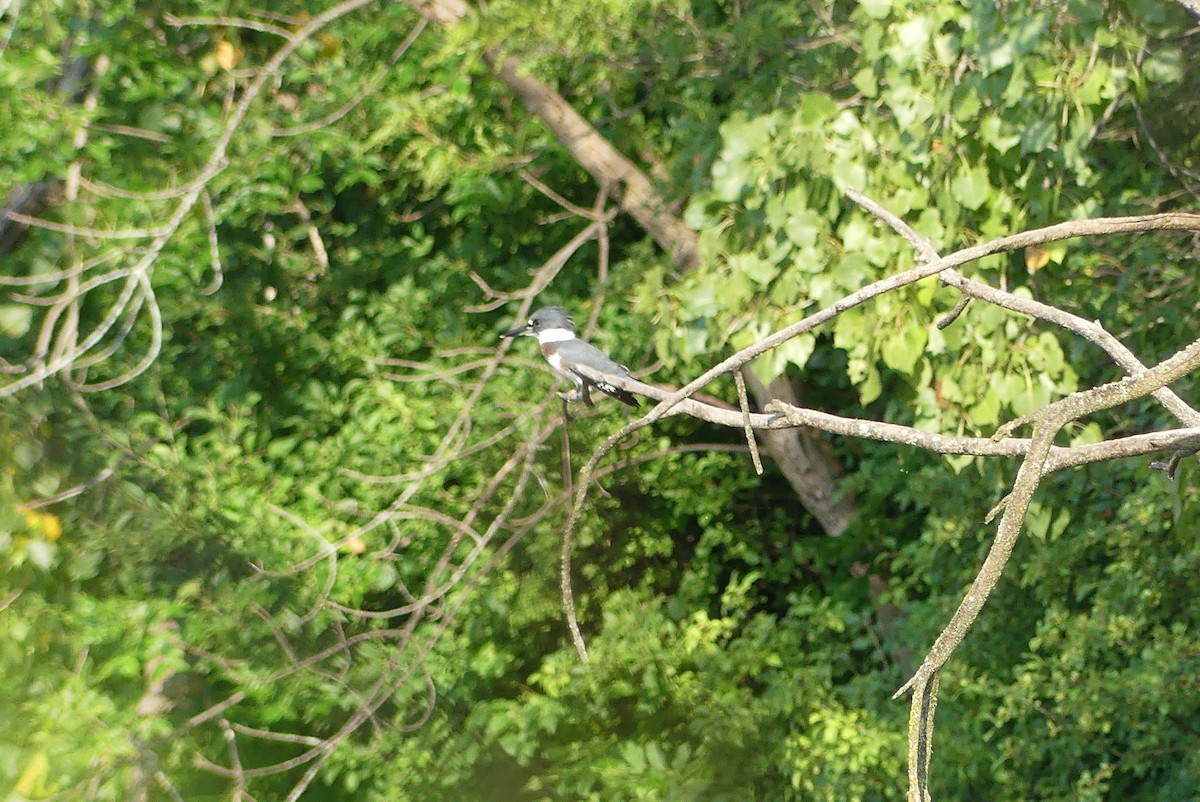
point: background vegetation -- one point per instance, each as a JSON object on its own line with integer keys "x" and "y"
{"x": 306, "y": 543}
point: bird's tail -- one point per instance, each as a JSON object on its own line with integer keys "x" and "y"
{"x": 623, "y": 396}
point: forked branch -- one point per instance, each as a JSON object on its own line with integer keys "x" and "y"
{"x": 1040, "y": 455}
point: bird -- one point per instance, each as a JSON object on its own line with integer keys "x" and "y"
{"x": 555, "y": 332}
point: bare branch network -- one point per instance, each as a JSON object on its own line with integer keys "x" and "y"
{"x": 1040, "y": 456}
{"x": 62, "y": 349}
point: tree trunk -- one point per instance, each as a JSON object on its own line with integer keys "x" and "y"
{"x": 810, "y": 470}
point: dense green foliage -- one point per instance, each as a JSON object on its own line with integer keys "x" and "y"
{"x": 736, "y": 651}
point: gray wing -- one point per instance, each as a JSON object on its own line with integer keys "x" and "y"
{"x": 600, "y": 360}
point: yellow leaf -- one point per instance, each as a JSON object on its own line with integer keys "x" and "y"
{"x": 45, "y": 522}
{"x": 51, "y": 527}
{"x": 227, "y": 55}
{"x": 1036, "y": 258}
{"x": 32, "y": 782}
{"x": 330, "y": 45}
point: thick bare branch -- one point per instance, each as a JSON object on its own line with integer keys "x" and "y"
{"x": 607, "y": 165}
{"x": 1091, "y": 331}
{"x": 779, "y": 415}
{"x": 1046, "y": 422}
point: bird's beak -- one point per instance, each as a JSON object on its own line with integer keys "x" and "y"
{"x": 517, "y": 332}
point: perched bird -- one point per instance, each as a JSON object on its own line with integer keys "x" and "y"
{"x": 555, "y": 331}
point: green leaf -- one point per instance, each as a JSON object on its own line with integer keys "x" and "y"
{"x": 730, "y": 180}
{"x": 849, "y": 173}
{"x": 912, "y": 39}
{"x": 1046, "y": 354}
{"x": 745, "y": 136}
{"x": 991, "y": 131}
{"x": 864, "y": 375}
{"x": 967, "y": 107}
{"x": 699, "y": 300}
{"x": 911, "y": 106}
{"x": 634, "y": 756}
{"x": 1039, "y": 136}
{"x": 760, "y": 271}
{"x": 804, "y": 227}
{"x": 655, "y": 756}
{"x": 875, "y": 9}
{"x": 1164, "y": 65}
{"x": 995, "y": 54}
{"x": 816, "y": 108}
{"x": 1095, "y": 87}
{"x": 697, "y": 215}
{"x": 15, "y": 319}
{"x": 866, "y": 82}
{"x": 1087, "y": 434}
{"x": 797, "y": 350}
{"x": 970, "y": 187}
{"x": 986, "y": 412}
{"x": 902, "y": 349}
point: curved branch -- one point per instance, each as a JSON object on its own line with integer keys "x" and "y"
{"x": 1092, "y": 331}
{"x": 213, "y": 166}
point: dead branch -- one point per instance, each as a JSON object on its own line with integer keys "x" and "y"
{"x": 592, "y": 151}
{"x": 1046, "y": 424}
{"x": 1092, "y": 331}
{"x": 779, "y": 415}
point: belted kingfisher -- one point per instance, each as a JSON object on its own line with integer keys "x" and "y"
{"x": 555, "y": 331}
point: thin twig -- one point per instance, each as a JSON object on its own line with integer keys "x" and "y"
{"x": 744, "y": 403}
{"x": 214, "y": 247}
